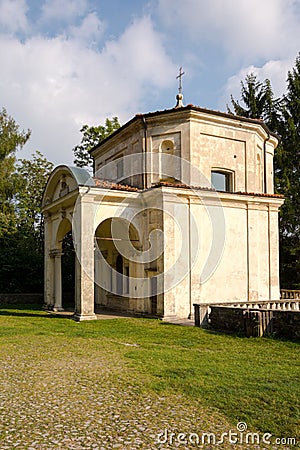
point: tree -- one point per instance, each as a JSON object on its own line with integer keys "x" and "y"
{"x": 22, "y": 184}
{"x": 31, "y": 176}
{"x": 91, "y": 137}
{"x": 287, "y": 173}
{"x": 21, "y": 255}
{"x": 11, "y": 139}
{"x": 21, "y": 263}
{"x": 283, "y": 117}
{"x": 259, "y": 101}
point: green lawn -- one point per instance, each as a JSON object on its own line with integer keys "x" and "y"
{"x": 131, "y": 378}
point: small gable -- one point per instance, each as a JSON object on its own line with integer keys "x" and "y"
{"x": 63, "y": 180}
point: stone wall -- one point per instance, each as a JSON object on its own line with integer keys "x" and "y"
{"x": 255, "y": 322}
{"x": 286, "y": 324}
{"x": 223, "y": 318}
{"x": 13, "y": 299}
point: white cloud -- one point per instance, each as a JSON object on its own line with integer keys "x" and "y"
{"x": 237, "y": 37}
{"x": 275, "y": 71}
{"x": 63, "y": 10}
{"x": 55, "y": 81}
{"x": 244, "y": 29}
{"x": 55, "y": 85}
{"x": 139, "y": 54}
{"x": 89, "y": 31}
{"x": 13, "y": 15}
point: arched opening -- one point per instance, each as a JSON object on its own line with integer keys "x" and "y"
{"x": 60, "y": 202}
{"x": 119, "y": 264}
{"x": 115, "y": 239}
{"x": 119, "y": 269}
{"x": 64, "y": 263}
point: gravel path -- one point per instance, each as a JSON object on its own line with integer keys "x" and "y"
{"x": 87, "y": 398}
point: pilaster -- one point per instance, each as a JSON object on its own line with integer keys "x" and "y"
{"x": 83, "y": 226}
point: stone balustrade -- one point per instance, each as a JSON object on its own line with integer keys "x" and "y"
{"x": 290, "y": 294}
{"x": 258, "y": 318}
{"x": 282, "y": 304}
{"x": 202, "y": 311}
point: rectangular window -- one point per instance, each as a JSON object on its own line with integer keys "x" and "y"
{"x": 120, "y": 168}
{"x": 221, "y": 181}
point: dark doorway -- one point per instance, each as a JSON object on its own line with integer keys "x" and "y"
{"x": 119, "y": 269}
{"x": 153, "y": 298}
{"x": 68, "y": 272}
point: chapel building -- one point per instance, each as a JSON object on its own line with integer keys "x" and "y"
{"x": 180, "y": 209}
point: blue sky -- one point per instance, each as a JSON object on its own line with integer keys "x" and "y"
{"x": 65, "y": 63}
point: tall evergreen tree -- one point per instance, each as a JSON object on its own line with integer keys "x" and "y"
{"x": 283, "y": 117}
{"x": 258, "y": 100}
{"x": 287, "y": 172}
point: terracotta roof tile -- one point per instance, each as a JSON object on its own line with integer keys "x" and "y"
{"x": 185, "y": 186}
{"x": 261, "y": 194}
{"x": 125, "y": 187}
{"x": 114, "y": 186}
{"x": 180, "y": 185}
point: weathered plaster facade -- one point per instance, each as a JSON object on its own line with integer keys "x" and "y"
{"x": 151, "y": 235}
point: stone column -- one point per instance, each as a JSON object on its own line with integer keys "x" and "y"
{"x": 49, "y": 280}
{"x": 48, "y": 264}
{"x": 57, "y": 281}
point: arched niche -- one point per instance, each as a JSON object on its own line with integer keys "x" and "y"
{"x": 167, "y": 146}
{"x": 167, "y": 163}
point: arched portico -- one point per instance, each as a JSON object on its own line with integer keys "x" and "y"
{"x": 72, "y": 201}
{"x": 56, "y": 226}
{"x": 65, "y": 189}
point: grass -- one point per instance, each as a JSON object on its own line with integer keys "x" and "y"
{"x": 181, "y": 372}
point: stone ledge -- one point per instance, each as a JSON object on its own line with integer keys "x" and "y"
{"x": 82, "y": 317}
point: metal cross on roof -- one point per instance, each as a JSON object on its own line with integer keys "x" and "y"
{"x": 180, "y": 81}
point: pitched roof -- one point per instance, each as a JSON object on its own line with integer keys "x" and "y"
{"x": 141, "y": 117}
